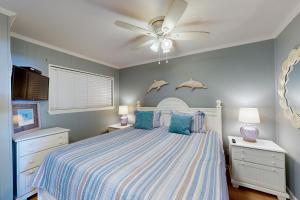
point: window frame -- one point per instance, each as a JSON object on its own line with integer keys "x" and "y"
{"x": 77, "y": 110}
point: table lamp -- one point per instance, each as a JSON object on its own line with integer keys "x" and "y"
{"x": 123, "y": 111}
{"x": 249, "y": 116}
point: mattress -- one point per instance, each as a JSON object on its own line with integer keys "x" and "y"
{"x": 136, "y": 164}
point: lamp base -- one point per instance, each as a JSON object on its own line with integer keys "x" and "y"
{"x": 249, "y": 133}
{"x": 124, "y": 120}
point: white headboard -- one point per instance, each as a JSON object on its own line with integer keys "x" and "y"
{"x": 213, "y": 115}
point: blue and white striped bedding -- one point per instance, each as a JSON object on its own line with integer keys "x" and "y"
{"x": 137, "y": 164}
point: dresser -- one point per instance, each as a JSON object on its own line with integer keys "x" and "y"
{"x": 30, "y": 150}
{"x": 259, "y": 165}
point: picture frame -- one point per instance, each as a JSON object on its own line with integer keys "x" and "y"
{"x": 25, "y": 116}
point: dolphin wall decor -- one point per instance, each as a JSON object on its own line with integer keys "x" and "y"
{"x": 157, "y": 85}
{"x": 192, "y": 84}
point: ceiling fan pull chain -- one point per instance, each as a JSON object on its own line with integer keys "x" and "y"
{"x": 167, "y": 61}
{"x": 159, "y": 51}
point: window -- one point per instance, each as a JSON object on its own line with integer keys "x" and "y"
{"x": 78, "y": 91}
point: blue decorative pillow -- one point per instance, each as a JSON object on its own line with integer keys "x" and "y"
{"x": 181, "y": 124}
{"x": 143, "y": 120}
{"x": 198, "y": 121}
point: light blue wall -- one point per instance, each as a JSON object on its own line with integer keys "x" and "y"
{"x": 287, "y": 136}
{"x": 84, "y": 124}
{"x": 6, "y": 185}
{"x": 240, "y": 76}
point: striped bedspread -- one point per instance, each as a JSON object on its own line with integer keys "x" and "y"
{"x": 137, "y": 164}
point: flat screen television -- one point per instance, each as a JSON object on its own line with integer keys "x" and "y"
{"x": 28, "y": 84}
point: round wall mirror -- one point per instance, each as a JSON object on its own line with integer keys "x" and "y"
{"x": 293, "y": 89}
{"x": 289, "y": 87}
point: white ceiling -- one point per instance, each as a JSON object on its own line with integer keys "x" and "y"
{"x": 86, "y": 27}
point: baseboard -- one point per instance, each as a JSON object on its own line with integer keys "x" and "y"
{"x": 291, "y": 194}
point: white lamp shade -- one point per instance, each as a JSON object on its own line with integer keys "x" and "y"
{"x": 123, "y": 110}
{"x": 249, "y": 115}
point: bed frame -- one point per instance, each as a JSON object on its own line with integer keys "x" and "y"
{"x": 213, "y": 120}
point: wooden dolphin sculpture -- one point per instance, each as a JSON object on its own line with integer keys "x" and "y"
{"x": 192, "y": 84}
{"x": 157, "y": 85}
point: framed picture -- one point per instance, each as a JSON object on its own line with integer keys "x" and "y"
{"x": 25, "y": 116}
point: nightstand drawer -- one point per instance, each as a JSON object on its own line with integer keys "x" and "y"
{"x": 259, "y": 175}
{"x": 269, "y": 158}
{"x": 42, "y": 143}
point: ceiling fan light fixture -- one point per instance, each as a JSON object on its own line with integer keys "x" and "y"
{"x": 155, "y": 46}
{"x": 166, "y": 44}
{"x": 165, "y": 29}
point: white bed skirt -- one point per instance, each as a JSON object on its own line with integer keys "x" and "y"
{"x": 44, "y": 195}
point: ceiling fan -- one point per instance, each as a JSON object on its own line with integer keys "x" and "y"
{"x": 160, "y": 33}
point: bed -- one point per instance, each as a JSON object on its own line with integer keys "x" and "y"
{"x": 140, "y": 164}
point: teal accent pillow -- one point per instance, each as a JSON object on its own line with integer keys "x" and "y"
{"x": 143, "y": 120}
{"x": 181, "y": 124}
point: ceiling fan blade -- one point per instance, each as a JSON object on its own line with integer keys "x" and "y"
{"x": 142, "y": 42}
{"x": 190, "y": 35}
{"x": 174, "y": 14}
{"x": 134, "y": 28}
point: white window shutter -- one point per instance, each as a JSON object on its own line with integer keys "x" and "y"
{"x": 53, "y": 85}
{"x": 80, "y": 91}
{"x": 65, "y": 89}
{"x": 77, "y": 91}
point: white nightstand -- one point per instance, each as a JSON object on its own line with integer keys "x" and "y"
{"x": 118, "y": 126}
{"x": 260, "y": 166}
